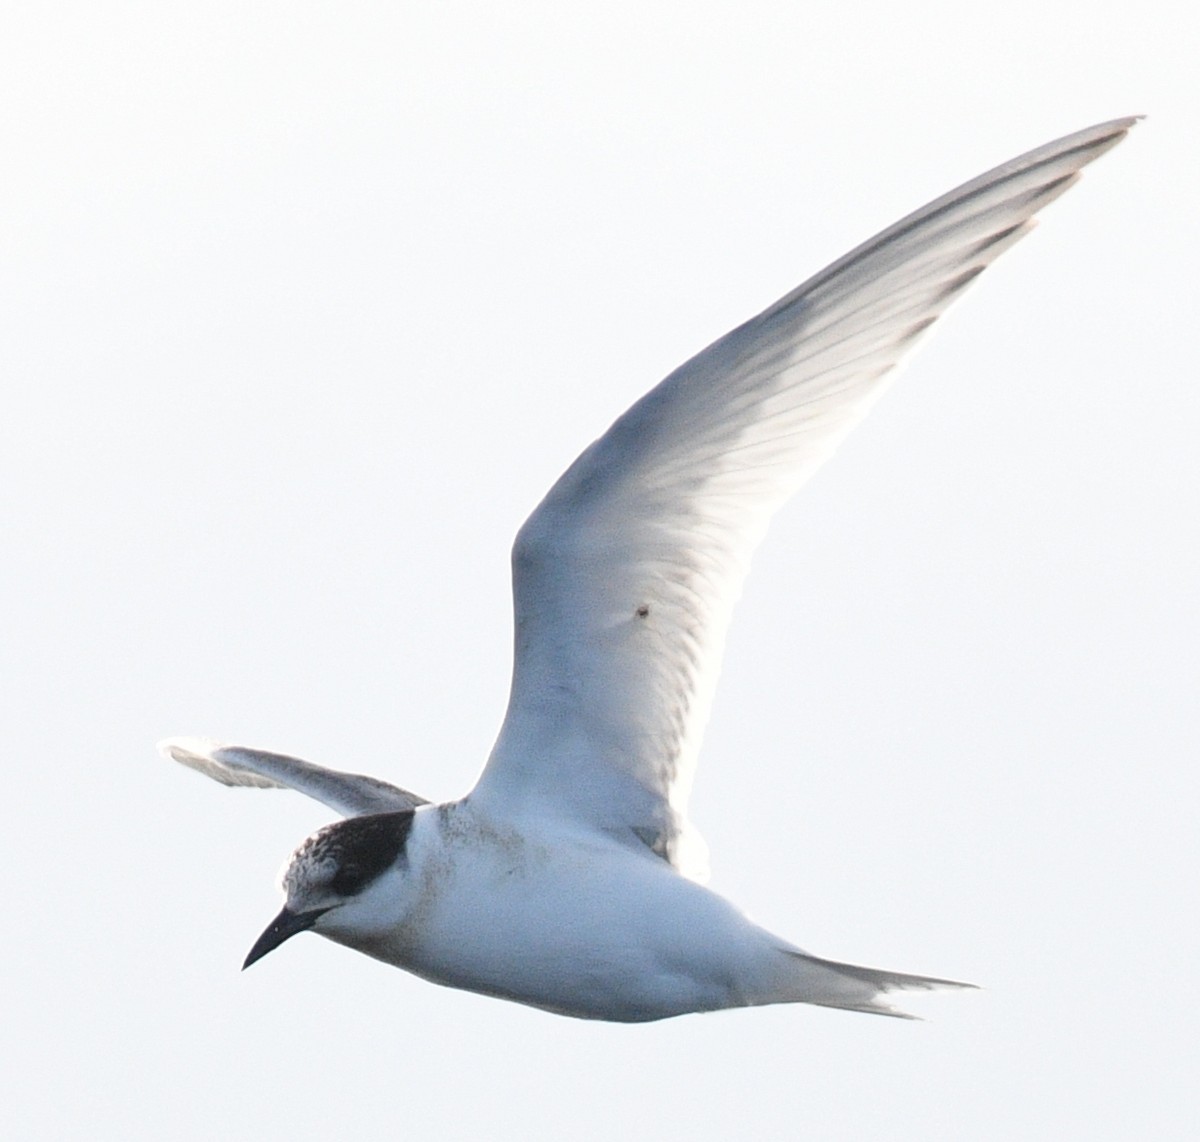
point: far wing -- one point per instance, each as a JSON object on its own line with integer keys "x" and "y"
{"x": 349, "y": 794}
{"x": 625, "y": 576}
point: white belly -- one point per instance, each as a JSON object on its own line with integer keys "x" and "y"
{"x": 576, "y": 925}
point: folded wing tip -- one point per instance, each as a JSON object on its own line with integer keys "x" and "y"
{"x": 214, "y": 759}
{"x": 183, "y": 749}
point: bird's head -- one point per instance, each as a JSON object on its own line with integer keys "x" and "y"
{"x": 333, "y": 882}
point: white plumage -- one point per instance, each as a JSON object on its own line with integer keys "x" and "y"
{"x": 556, "y": 881}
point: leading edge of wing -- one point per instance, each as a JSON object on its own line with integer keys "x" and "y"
{"x": 350, "y": 794}
{"x": 625, "y": 575}
{"x": 1059, "y": 162}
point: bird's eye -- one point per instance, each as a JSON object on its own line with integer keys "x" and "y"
{"x": 360, "y": 849}
{"x": 348, "y": 879}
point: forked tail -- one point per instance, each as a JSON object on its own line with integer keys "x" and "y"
{"x": 828, "y": 983}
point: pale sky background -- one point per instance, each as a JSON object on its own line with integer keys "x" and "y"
{"x": 302, "y": 308}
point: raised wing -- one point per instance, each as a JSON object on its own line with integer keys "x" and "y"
{"x": 625, "y": 576}
{"x": 349, "y": 794}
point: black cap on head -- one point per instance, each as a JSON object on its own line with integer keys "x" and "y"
{"x": 338, "y": 861}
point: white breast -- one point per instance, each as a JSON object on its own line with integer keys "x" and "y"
{"x": 568, "y": 922}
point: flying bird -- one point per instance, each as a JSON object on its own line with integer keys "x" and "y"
{"x": 570, "y": 878}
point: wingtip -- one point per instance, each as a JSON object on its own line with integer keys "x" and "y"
{"x": 1119, "y": 125}
{"x": 184, "y": 749}
{"x": 1114, "y": 130}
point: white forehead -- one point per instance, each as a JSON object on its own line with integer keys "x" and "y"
{"x": 313, "y": 863}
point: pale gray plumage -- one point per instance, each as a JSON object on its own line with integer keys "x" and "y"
{"x": 556, "y": 882}
{"x": 665, "y": 510}
{"x": 350, "y": 794}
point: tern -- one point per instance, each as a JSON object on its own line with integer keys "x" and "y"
{"x": 569, "y": 879}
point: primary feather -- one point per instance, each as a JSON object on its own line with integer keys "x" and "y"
{"x": 625, "y": 576}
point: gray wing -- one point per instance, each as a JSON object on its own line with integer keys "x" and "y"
{"x": 625, "y": 576}
{"x": 350, "y": 794}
